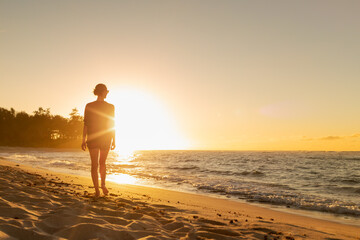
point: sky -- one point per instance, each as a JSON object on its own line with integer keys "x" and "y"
{"x": 231, "y": 75}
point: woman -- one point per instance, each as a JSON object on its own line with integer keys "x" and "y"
{"x": 99, "y": 135}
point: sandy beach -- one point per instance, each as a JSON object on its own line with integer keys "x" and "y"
{"x": 40, "y": 204}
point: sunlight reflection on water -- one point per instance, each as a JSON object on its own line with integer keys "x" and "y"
{"x": 122, "y": 178}
{"x": 121, "y": 159}
{"x": 123, "y": 156}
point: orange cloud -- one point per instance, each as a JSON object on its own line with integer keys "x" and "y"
{"x": 331, "y": 137}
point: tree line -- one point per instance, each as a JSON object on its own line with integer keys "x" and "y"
{"x": 41, "y": 129}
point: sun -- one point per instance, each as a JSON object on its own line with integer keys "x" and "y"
{"x": 143, "y": 123}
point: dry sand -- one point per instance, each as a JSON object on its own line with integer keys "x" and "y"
{"x": 40, "y": 204}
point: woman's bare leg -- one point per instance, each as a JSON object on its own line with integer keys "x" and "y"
{"x": 103, "y": 156}
{"x": 94, "y": 155}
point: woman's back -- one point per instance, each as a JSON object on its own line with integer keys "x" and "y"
{"x": 99, "y": 119}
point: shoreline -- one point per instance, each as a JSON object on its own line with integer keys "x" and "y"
{"x": 337, "y": 216}
{"x": 164, "y": 213}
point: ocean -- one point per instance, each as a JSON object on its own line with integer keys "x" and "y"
{"x": 318, "y": 182}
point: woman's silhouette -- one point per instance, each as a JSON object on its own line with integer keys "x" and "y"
{"x": 99, "y": 135}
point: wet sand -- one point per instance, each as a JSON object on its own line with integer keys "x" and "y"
{"x": 40, "y": 204}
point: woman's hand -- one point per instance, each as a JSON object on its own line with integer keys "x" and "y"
{"x": 112, "y": 145}
{"x": 83, "y": 145}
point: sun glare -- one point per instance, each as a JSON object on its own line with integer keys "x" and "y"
{"x": 142, "y": 123}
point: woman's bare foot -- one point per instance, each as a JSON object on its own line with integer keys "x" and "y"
{"x": 105, "y": 190}
{"x": 97, "y": 193}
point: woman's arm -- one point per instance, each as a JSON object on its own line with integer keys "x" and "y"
{"x": 83, "y": 145}
{"x": 113, "y": 129}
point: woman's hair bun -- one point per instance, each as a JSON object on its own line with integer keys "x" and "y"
{"x": 99, "y": 89}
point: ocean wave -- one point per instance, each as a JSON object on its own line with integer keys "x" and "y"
{"x": 286, "y": 198}
{"x": 347, "y": 189}
{"x": 308, "y": 203}
{"x": 213, "y": 189}
{"x": 278, "y": 185}
{"x": 252, "y": 173}
{"x": 351, "y": 158}
{"x": 23, "y": 157}
{"x": 116, "y": 166}
{"x": 43, "y": 157}
{"x": 61, "y": 164}
{"x": 185, "y": 168}
{"x": 233, "y": 173}
{"x": 218, "y": 172}
{"x": 351, "y": 181}
{"x": 346, "y": 180}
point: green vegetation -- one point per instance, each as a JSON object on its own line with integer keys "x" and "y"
{"x": 40, "y": 129}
